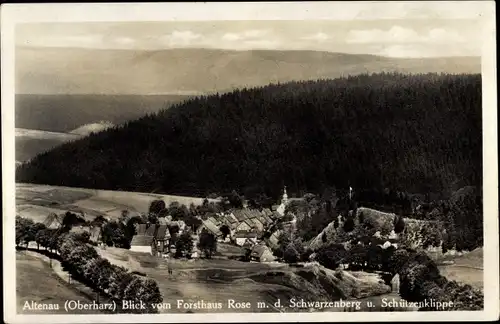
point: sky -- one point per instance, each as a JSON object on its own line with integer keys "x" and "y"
{"x": 394, "y": 30}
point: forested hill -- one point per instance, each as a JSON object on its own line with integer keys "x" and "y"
{"x": 417, "y": 133}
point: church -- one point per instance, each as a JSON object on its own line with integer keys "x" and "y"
{"x": 284, "y": 203}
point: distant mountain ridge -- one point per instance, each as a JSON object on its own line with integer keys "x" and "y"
{"x": 194, "y": 71}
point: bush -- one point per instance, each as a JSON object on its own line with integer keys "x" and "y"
{"x": 291, "y": 254}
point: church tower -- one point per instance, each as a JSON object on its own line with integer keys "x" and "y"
{"x": 284, "y": 202}
{"x": 284, "y": 199}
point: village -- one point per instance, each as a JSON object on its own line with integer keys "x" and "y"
{"x": 243, "y": 227}
{"x": 252, "y": 231}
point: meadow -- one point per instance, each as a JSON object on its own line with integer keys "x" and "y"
{"x": 218, "y": 280}
{"x": 51, "y": 290}
{"x": 38, "y": 201}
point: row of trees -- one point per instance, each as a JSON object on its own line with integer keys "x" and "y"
{"x": 84, "y": 264}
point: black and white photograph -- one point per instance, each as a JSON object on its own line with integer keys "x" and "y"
{"x": 249, "y": 162}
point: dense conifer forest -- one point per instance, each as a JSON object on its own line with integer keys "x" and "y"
{"x": 415, "y": 133}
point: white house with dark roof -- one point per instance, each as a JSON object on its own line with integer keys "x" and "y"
{"x": 153, "y": 239}
{"x": 242, "y": 237}
{"x": 262, "y": 253}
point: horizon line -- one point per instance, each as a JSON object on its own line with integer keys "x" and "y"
{"x": 239, "y": 50}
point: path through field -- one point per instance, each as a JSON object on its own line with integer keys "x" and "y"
{"x": 37, "y": 282}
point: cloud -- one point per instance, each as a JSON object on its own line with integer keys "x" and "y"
{"x": 181, "y": 38}
{"x": 402, "y": 51}
{"x": 124, "y": 40}
{"x": 401, "y": 35}
{"x": 320, "y": 37}
{"x": 423, "y": 50}
{"x": 249, "y": 34}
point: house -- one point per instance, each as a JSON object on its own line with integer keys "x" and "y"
{"x": 264, "y": 219}
{"x": 95, "y": 234}
{"x": 274, "y": 239}
{"x": 243, "y": 226}
{"x": 240, "y": 215}
{"x": 267, "y": 212}
{"x": 161, "y": 241}
{"x": 395, "y": 283}
{"x": 262, "y": 253}
{"x": 232, "y": 219}
{"x": 53, "y": 221}
{"x": 241, "y": 237}
{"x": 214, "y": 220}
{"x": 257, "y": 224}
{"x": 152, "y": 239}
{"x": 141, "y": 243}
{"x": 210, "y": 227}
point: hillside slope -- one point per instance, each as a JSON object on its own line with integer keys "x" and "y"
{"x": 380, "y": 222}
{"x": 220, "y": 280}
{"x": 188, "y": 71}
{"x": 420, "y": 133}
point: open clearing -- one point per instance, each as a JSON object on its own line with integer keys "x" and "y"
{"x": 219, "y": 280}
{"x": 467, "y": 269}
{"x": 50, "y": 290}
{"x": 38, "y": 201}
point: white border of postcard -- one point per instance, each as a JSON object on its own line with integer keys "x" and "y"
{"x": 82, "y": 12}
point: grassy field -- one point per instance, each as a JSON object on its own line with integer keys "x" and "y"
{"x": 467, "y": 268}
{"x": 38, "y": 201}
{"x": 218, "y": 280}
{"x": 37, "y": 282}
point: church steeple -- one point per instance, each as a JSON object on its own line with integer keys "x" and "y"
{"x": 284, "y": 199}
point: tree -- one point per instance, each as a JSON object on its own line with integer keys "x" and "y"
{"x": 398, "y": 260}
{"x": 71, "y": 219}
{"x": 399, "y": 224}
{"x": 225, "y": 230}
{"x": 207, "y": 243}
{"x": 98, "y": 221}
{"x": 91, "y": 272}
{"x": 150, "y": 295}
{"x": 349, "y": 225}
{"x": 83, "y": 237}
{"x": 184, "y": 245}
{"x": 331, "y": 256}
{"x": 156, "y": 207}
{"x": 130, "y": 227}
{"x": 42, "y": 238}
{"x": 193, "y": 223}
{"x": 234, "y": 200}
{"x": 113, "y": 234}
{"x": 178, "y": 211}
{"x": 33, "y": 231}
{"x": 23, "y": 231}
{"x": 291, "y": 255}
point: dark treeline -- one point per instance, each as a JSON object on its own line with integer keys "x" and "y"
{"x": 412, "y": 133}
